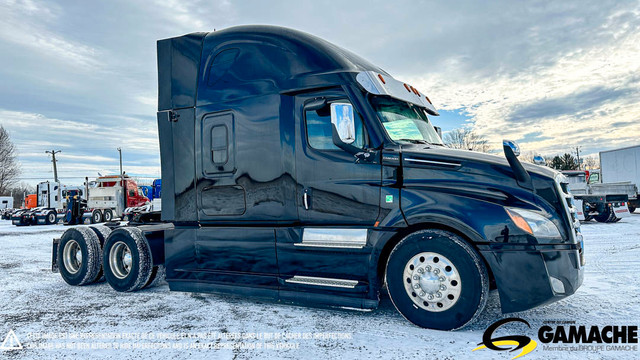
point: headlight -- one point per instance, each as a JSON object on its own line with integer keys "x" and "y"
{"x": 535, "y": 224}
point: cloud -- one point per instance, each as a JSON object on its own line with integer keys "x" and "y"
{"x": 555, "y": 75}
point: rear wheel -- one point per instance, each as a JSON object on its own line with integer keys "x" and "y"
{"x": 108, "y": 215}
{"x": 127, "y": 260}
{"x": 79, "y": 256}
{"x": 96, "y": 217}
{"x": 436, "y": 280}
{"x": 102, "y": 232}
{"x": 606, "y": 216}
{"x": 632, "y": 208}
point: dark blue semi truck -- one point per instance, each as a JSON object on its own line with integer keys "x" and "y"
{"x": 297, "y": 171}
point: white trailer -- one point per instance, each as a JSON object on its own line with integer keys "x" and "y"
{"x": 6, "y": 202}
{"x": 622, "y": 165}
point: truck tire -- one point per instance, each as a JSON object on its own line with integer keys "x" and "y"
{"x": 52, "y": 218}
{"x": 632, "y": 209}
{"x": 79, "y": 256}
{"x": 96, "y": 216}
{"x": 436, "y": 280}
{"x": 606, "y": 216}
{"x": 127, "y": 259}
{"x": 108, "y": 215}
{"x": 102, "y": 232}
{"x": 157, "y": 275}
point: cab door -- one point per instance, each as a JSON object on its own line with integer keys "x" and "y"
{"x": 334, "y": 186}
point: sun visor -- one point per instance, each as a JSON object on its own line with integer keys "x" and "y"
{"x": 378, "y": 84}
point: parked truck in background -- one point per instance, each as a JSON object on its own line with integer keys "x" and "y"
{"x": 602, "y": 202}
{"x": 50, "y": 205}
{"x": 297, "y": 171}
{"x": 109, "y": 196}
{"x": 622, "y": 165}
{"x": 149, "y": 212}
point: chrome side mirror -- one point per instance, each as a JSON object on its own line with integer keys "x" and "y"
{"x": 539, "y": 160}
{"x": 513, "y": 145}
{"x": 343, "y": 120}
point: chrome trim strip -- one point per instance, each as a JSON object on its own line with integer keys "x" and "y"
{"x": 433, "y": 162}
{"x": 318, "y": 281}
{"x": 334, "y": 238}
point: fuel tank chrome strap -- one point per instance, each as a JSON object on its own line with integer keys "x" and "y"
{"x": 309, "y": 280}
{"x": 334, "y": 238}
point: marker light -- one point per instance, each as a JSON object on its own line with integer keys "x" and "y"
{"x": 381, "y": 79}
{"x": 533, "y": 223}
{"x": 519, "y": 221}
{"x": 407, "y": 87}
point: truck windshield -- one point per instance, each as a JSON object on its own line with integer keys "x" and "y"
{"x": 405, "y": 122}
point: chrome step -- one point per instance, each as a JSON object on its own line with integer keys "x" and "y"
{"x": 318, "y": 281}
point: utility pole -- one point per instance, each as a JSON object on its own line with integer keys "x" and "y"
{"x": 578, "y": 156}
{"x": 120, "y": 152}
{"x": 53, "y": 160}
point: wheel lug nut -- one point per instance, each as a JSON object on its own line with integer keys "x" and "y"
{"x": 436, "y": 271}
{"x": 416, "y": 277}
{"x": 441, "y": 278}
{"x": 430, "y": 297}
{"x": 416, "y": 286}
{"x": 420, "y": 270}
{"x": 438, "y": 294}
{"x": 428, "y": 268}
{"x": 442, "y": 287}
{"x": 422, "y": 293}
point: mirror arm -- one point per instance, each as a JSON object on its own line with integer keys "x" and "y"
{"x": 341, "y": 144}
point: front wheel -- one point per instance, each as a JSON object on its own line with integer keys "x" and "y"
{"x": 52, "y": 218}
{"x": 436, "y": 280}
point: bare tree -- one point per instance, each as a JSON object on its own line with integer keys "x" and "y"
{"x": 591, "y": 162}
{"x": 466, "y": 139}
{"x": 9, "y": 168}
{"x": 19, "y": 191}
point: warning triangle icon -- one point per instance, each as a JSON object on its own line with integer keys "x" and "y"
{"x": 11, "y": 342}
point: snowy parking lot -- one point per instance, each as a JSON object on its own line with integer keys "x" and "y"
{"x": 51, "y": 319}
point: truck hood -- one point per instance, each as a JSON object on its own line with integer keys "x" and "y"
{"x": 467, "y": 159}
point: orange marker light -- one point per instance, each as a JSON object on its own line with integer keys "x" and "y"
{"x": 381, "y": 79}
{"x": 519, "y": 221}
{"x": 407, "y": 87}
{"x": 426, "y": 97}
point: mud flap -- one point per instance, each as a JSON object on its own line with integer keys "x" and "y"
{"x": 54, "y": 255}
{"x": 579, "y": 209}
{"x": 621, "y": 211}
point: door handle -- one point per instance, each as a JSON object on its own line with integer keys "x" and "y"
{"x": 305, "y": 200}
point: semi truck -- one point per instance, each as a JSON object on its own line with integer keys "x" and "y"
{"x": 622, "y": 165}
{"x": 296, "y": 171}
{"x": 50, "y": 204}
{"x": 109, "y": 196}
{"x": 149, "y": 212}
{"x": 604, "y": 202}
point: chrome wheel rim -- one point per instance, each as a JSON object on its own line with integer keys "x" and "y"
{"x": 432, "y": 281}
{"x": 107, "y": 216}
{"x": 52, "y": 217}
{"x": 72, "y": 256}
{"x": 120, "y": 260}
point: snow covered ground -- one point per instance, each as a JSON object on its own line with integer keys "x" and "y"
{"x": 52, "y": 319}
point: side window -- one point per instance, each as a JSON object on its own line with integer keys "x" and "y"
{"x": 319, "y": 129}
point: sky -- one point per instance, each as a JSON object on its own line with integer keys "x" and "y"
{"x": 80, "y": 76}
